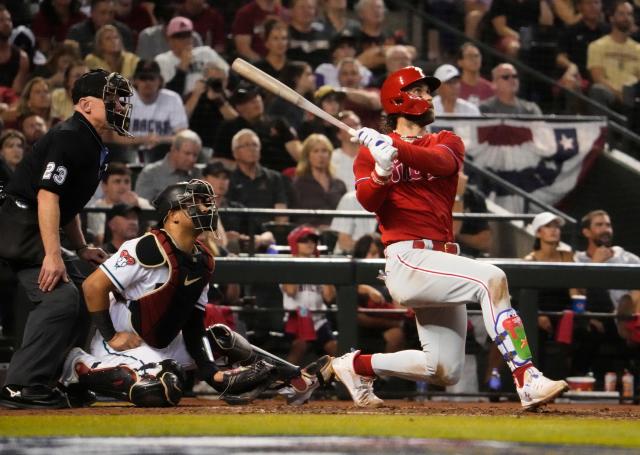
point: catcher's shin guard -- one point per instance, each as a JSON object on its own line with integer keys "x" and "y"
{"x": 163, "y": 389}
{"x": 113, "y": 382}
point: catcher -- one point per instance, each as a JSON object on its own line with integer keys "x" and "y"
{"x": 147, "y": 303}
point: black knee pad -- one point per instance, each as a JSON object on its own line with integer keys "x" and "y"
{"x": 162, "y": 391}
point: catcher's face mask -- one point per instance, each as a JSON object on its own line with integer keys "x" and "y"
{"x": 199, "y": 202}
{"x": 116, "y": 94}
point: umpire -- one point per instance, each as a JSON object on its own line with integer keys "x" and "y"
{"x": 50, "y": 187}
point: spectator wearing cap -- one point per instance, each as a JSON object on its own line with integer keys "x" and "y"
{"x": 218, "y": 175}
{"x": 158, "y": 114}
{"x": 308, "y": 39}
{"x": 102, "y": 13}
{"x": 116, "y": 189}
{"x": 343, "y": 157}
{"x": 276, "y": 43}
{"x": 448, "y": 101}
{"x": 208, "y": 104}
{"x": 507, "y": 83}
{"x": 299, "y": 76}
{"x": 343, "y": 45}
{"x": 306, "y": 330}
{"x": 331, "y": 101}
{"x": 473, "y": 87}
{"x": 181, "y": 66}
{"x": 336, "y": 17}
{"x": 109, "y": 55}
{"x": 363, "y": 101}
{"x": 123, "y": 223}
{"x": 207, "y": 21}
{"x": 279, "y": 142}
{"x": 14, "y": 62}
{"x": 53, "y": 20}
{"x": 248, "y": 27}
{"x": 135, "y": 15}
{"x": 177, "y": 166}
{"x": 152, "y": 41}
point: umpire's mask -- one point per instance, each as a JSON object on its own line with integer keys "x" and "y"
{"x": 116, "y": 95}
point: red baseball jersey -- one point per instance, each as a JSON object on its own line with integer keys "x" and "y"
{"x": 418, "y": 200}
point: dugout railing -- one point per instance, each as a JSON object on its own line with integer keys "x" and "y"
{"x": 525, "y": 279}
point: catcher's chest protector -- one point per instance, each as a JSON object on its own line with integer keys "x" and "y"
{"x": 159, "y": 315}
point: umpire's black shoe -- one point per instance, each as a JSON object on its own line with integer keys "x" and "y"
{"x": 79, "y": 396}
{"x": 32, "y": 397}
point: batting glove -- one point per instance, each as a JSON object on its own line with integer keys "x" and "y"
{"x": 383, "y": 154}
{"x": 368, "y": 137}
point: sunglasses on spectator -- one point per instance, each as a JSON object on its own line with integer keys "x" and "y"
{"x": 506, "y": 77}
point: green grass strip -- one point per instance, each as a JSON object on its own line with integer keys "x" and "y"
{"x": 548, "y": 430}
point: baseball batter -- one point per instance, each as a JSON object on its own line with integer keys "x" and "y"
{"x": 409, "y": 178}
{"x": 147, "y": 302}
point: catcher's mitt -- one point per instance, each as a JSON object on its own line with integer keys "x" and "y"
{"x": 245, "y": 378}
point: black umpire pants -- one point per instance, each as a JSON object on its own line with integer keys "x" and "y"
{"x": 58, "y": 318}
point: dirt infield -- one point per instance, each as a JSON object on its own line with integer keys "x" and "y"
{"x": 195, "y": 406}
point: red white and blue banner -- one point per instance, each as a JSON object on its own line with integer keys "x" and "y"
{"x": 547, "y": 159}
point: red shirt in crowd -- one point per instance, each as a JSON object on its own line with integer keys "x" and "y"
{"x": 45, "y": 28}
{"x": 476, "y": 93}
{"x": 249, "y": 20}
{"x": 210, "y": 25}
{"x": 417, "y": 203}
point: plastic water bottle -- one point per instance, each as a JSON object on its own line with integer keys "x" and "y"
{"x": 421, "y": 390}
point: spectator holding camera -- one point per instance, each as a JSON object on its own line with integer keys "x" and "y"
{"x": 181, "y": 66}
{"x": 208, "y": 104}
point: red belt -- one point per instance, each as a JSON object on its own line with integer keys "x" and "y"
{"x": 437, "y": 245}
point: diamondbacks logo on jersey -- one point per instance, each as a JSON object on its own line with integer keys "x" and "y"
{"x": 125, "y": 259}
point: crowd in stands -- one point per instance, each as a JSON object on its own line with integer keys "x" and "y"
{"x": 192, "y": 117}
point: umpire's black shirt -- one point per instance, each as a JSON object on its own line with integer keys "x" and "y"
{"x": 67, "y": 161}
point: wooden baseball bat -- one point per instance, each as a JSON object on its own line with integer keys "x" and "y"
{"x": 259, "y": 77}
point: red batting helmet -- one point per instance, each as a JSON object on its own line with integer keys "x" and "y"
{"x": 299, "y": 233}
{"x": 395, "y": 99}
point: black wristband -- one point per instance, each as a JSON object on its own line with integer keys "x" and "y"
{"x": 104, "y": 324}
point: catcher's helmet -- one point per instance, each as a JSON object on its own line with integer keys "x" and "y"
{"x": 393, "y": 94}
{"x": 188, "y": 196}
{"x": 114, "y": 89}
{"x": 299, "y": 233}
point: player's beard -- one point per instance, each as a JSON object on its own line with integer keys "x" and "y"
{"x": 423, "y": 119}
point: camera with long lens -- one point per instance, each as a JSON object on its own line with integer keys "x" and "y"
{"x": 215, "y": 84}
